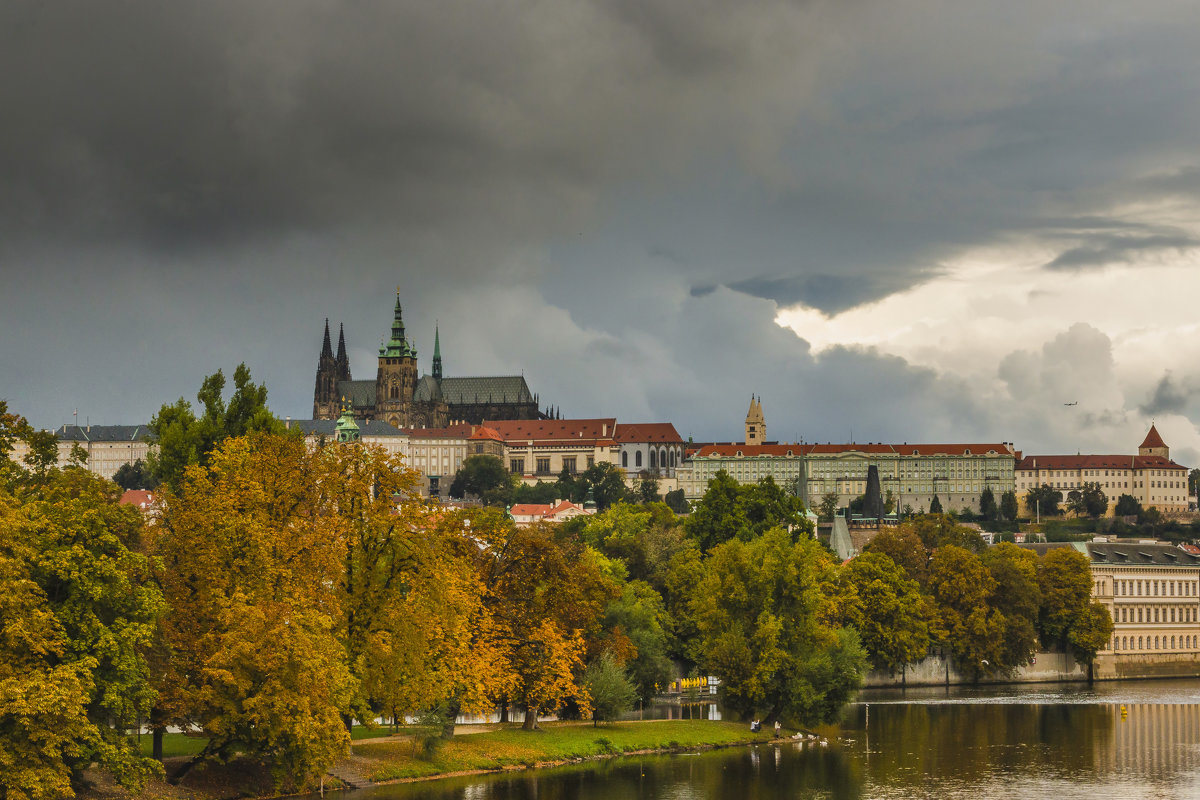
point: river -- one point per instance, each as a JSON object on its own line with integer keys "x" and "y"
{"x": 1123, "y": 740}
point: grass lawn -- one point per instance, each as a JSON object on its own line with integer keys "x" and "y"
{"x": 512, "y": 746}
{"x": 174, "y": 744}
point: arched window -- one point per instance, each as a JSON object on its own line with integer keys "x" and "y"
{"x": 1140, "y": 644}
{"x": 625, "y": 459}
{"x": 1172, "y": 642}
{"x": 637, "y": 458}
{"x": 653, "y": 458}
{"x": 672, "y": 458}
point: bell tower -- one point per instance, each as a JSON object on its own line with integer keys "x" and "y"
{"x": 396, "y": 379}
{"x": 756, "y": 426}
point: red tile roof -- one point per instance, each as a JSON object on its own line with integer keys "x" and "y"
{"x": 1029, "y": 463}
{"x": 648, "y": 432}
{"x": 461, "y": 430}
{"x": 749, "y": 451}
{"x": 484, "y": 432}
{"x": 553, "y": 429}
{"x": 1152, "y": 439}
{"x": 137, "y": 497}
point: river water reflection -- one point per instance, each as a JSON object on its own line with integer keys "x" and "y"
{"x": 1125, "y": 740}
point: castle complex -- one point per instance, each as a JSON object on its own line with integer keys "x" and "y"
{"x": 397, "y": 396}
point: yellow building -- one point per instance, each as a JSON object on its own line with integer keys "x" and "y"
{"x": 1151, "y": 477}
{"x": 1152, "y": 591}
{"x": 540, "y": 449}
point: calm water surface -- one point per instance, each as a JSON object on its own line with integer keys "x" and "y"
{"x": 1119, "y": 740}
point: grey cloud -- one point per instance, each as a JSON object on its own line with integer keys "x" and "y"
{"x": 1105, "y": 249}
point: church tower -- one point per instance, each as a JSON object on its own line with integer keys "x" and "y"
{"x": 756, "y": 426}
{"x": 396, "y": 379}
{"x": 325, "y": 397}
{"x": 437, "y": 354}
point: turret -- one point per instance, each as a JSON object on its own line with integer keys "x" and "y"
{"x": 756, "y": 426}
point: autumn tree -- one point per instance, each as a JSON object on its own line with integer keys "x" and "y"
{"x": 1066, "y": 619}
{"x": 1017, "y": 599}
{"x": 888, "y": 611}
{"x": 77, "y": 611}
{"x": 546, "y": 598}
{"x": 730, "y": 510}
{"x": 961, "y": 587}
{"x": 764, "y": 627}
{"x": 253, "y": 574}
{"x": 904, "y": 547}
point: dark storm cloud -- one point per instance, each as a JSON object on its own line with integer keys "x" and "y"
{"x": 615, "y": 197}
{"x": 1171, "y": 396}
{"x": 200, "y": 123}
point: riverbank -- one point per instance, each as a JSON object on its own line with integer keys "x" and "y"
{"x": 475, "y": 749}
{"x": 510, "y": 747}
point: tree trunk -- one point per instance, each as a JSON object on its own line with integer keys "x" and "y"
{"x": 157, "y": 753}
{"x": 504, "y": 709}
{"x": 453, "y": 706}
{"x": 531, "y": 715}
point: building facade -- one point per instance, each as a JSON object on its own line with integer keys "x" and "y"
{"x": 1152, "y": 592}
{"x": 1151, "y": 477}
{"x": 654, "y": 447}
{"x": 108, "y": 447}
{"x": 402, "y": 397}
{"x": 542, "y": 449}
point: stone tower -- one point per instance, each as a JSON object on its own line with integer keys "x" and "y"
{"x": 1153, "y": 445}
{"x": 756, "y": 426}
{"x": 343, "y": 361}
{"x": 325, "y": 397}
{"x": 396, "y": 379}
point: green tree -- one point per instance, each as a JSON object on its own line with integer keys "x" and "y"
{"x": 647, "y": 490}
{"x": 605, "y": 482}
{"x": 1090, "y": 631}
{"x": 1094, "y": 501}
{"x": 1128, "y": 506}
{"x": 1017, "y": 597}
{"x": 935, "y": 505}
{"x": 1065, "y": 577}
{"x": 1075, "y": 503}
{"x": 828, "y": 506}
{"x": 729, "y": 509}
{"x": 1008, "y": 505}
{"x": 677, "y": 501}
{"x": 638, "y": 615}
{"x": 987, "y": 504}
{"x": 135, "y": 476}
{"x": 1043, "y": 500}
{"x": 485, "y": 477}
{"x": 889, "y": 612}
{"x": 961, "y": 587}
{"x": 763, "y": 626}
{"x": 78, "y": 610}
{"x": 184, "y": 439}
{"x": 611, "y": 690}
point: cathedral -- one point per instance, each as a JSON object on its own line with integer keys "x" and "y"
{"x": 397, "y": 396}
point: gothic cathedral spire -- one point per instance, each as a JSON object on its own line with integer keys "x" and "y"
{"x": 343, "y": 361}
{"x": 437, "y": 353}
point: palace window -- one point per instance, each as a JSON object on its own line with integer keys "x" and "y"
{"x": 543, "y": 466}
{"x": 569, "y": 464}
{"x": 516, "y": 466}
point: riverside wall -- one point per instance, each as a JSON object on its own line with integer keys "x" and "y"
{"x": 938, "y": 670}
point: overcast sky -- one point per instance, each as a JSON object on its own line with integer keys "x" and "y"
{"x": 921, "y": 221}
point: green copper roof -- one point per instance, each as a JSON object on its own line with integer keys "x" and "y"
{"x": 397, "y": 346}
{"x": 347, "y": 428}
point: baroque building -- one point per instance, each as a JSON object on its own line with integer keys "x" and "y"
{"x": 402, "y": 397}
